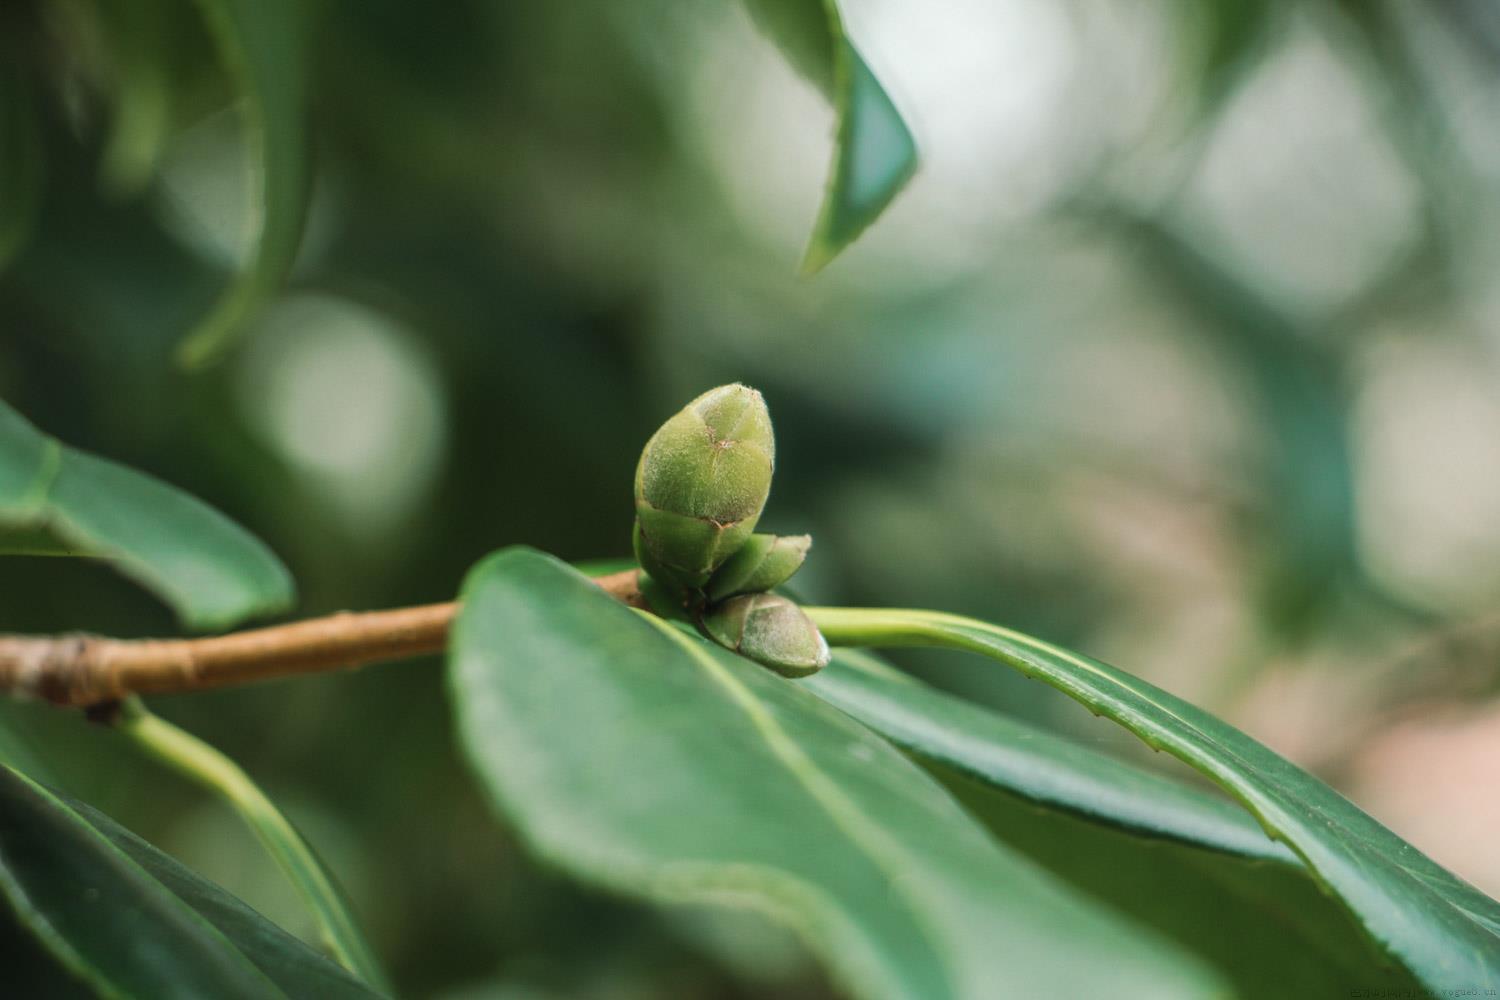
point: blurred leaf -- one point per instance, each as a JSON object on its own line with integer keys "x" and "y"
{"x": 1444, "y": 930}
{"x": 129, "y": 921}
{"x": 140, "y": 36}
{"x": 266, "y": 45}
{"x": 20, "y": 159}
{"x": 642, "y": 758}
{"x": 874, "y": 152}
{"x": 1298, "y": 387}
{"x": 58, "y": 500}
{"x": 1036, "y": 765}
{"x": 1229, "y": 38}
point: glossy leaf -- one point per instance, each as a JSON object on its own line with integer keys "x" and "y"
{"x": 645, "y": 759}
{"x": 130, "y": 922}
{"x": 266, "y": 46}
{"x": 1036, "y": 765}
{"x": 1266, "y": 926}
{"x": 874, "y": 152}
{"x": 1188, "y": 863}
{"x": 57, "y": 500}
{"x": 1442, "y": 929}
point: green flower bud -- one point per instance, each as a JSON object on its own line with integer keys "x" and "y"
{"x": 762, "y": 563}
{"x": 702, "y": 481}
{"x": 770, "y": 630}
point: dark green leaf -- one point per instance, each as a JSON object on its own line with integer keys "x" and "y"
{"x": 265, "y": 44}
{"x": 1034, "y": 764}
{"x": 1442, "y": 929}
{"x": 645, "y": 759}
{"x": 1266, "y": 925}
{"x": 1191, "y": 864}
{"x": 201, "y": 763}
{"x": 874, "y": 153}
{"x": 132, "y": 923}
{"x": 284, "y": 959}
{"x": 57, "y": 500}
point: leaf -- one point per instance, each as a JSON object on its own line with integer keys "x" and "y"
{"x": 644, "y": 759}
{"x": 282, "y": 957}
{"x": 58, "y": 500}
{"x": 1267, "y": 926}
{"x": 130, "y": 922}
{"x": 1222, "y": 42}
{"x": 142, "y": 39}
{"x": 1296, "y": 388}
{"x": 265, "y": 45}
{"x": 216, "y": 773}
{"x": 1192, "y": 865}
{"x": 874, "y": 153}
{"x": 1442, "y": 929}
{"x": 1036, "y": 765}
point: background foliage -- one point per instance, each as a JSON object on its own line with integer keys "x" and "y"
{"x": 1180, "y": 349}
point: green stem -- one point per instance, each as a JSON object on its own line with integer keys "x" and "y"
{"x": 196, "y": 760}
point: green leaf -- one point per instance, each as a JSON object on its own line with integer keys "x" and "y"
{"x": 130, "y": 922}
{"x": 1442, "y": 929}
{"x": 199, "y": 762}
{"x": 1122, "y": 834}
{"x": 142, "y": 37}
{"x": 265, "y": 44}
{"x": 58, "y": 500}
{"x": 1036, "y": 765}
{"x": 642, "y": 758}
{"x": 874, "y": 152}
{"x": 1222, "y": 42}
{"x": 1296, "y": 387}
{"x": 1267, "y": 926}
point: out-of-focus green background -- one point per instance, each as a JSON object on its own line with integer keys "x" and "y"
{"x": 1180, "y": 349}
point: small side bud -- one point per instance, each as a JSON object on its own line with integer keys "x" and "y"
{"x": 701, "y": 484}
{"x": 761, "y": 564}
{"x": 770, "y": 630}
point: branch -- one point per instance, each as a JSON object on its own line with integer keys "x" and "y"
{"x": 87, "y": 670}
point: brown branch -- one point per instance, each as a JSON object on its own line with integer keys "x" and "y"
{"x": 85, "y": 670}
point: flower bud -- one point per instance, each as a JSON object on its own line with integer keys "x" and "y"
{"x": 770, "y": 630}
{"x": 702, "y": 481}
{"x": 762, "y": 563}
